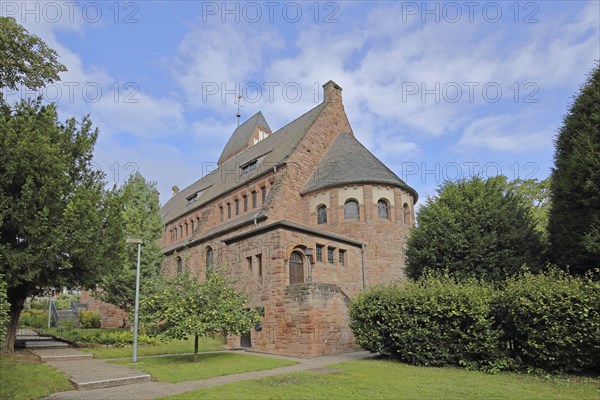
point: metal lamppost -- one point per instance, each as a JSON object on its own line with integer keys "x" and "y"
{"x": 137, "y": 297}
{"x": 308, "y": 253}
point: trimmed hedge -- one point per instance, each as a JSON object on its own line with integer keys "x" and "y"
{"x": 552, "y": 321}
{"x": 546, "y": 321}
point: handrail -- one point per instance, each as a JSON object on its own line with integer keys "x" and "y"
{"x": 54, "y": 313}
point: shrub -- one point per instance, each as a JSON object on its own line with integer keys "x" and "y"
{"x": 433, "y": 322}
{"x": 63, "y": 301}
{"x": 4, "y": 309}
{"x": 34, "y": 319}
{"x": 89, "y": 319}
{"x": 552, "y": 321}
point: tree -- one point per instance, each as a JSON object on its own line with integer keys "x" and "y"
{"x": 4, "y": 307}
{"x": 180, "y": 306}
{"x": 25, "y": 59}
{"x": 58, "y": 226}
{"x": 141, "y": 216}
{"x": 537, "y": 195}
{"x": 574, "y": 221}
{"x": 474, "y": 228}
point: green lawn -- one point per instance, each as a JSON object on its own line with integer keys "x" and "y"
{"x": 172, "y": 347}
{"x": 378, "y": 379}
{"x": 22, "y": 377}
{"x": 182, "y": 368}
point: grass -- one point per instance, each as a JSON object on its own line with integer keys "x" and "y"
{"x": 23, "y": 377}
{"x": 380, "y": 379}
{"x": 182, "y": 368}
{"x": 172, "y": 347}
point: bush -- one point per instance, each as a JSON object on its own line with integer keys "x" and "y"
{"x": 552, "y": 321}
{"x": 549, "y": 321}
{"x": 89, "y": 319}
{"x": 433, "y": 322}
{"x": 63, "y": 301}
{"x": 34, "y": 319}
{"x": 4, "y": 309}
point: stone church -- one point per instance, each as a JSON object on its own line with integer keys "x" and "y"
{"x": 302, "y": 219}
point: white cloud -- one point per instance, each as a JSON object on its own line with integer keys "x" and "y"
{"x": 504, "y": 133}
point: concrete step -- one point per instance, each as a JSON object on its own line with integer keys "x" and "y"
{"x": 96, "y": 374}
{"x": 62, "y": 354}
{"x": 45, "y": 344}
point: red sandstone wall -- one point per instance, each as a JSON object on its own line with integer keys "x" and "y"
{"x": 111, "y": 315}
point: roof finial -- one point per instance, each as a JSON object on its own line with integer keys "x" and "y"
{"x": 238, "y": 115}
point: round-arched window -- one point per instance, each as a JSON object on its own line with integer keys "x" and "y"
{"x": 179, "y": 265}
{"x": 383, "y": 210}
{"x": 351, "y": 210}
{"x": 322, "y": 214}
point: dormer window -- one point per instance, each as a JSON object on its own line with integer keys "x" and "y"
{"x": 191, "y": 199}
{"x": 249, "y": 167}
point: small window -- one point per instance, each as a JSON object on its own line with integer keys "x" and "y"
{"x": 383, "y": 209}
{"x": 245, "y": 203}
{"x": 222, "y": 213}
{"x": 330, "y": 254}
{"x": 187, "y": 230}
{"x": 259, "y": 267}
{"x": 179, "y": 265}
{"x": 197, "y": 222}
{"x": 192, "y": 222}
{"x": 263, "y": 191}
{"x": 249, "y": 167}
{"x": 342, "y": 257}
{"x": 175, "y": 230}
{"x": 249, "y": 263}
{"x": 237, "y": 207}
{"x": 351, "y": 210}
{"x": 254, "y": 200}
{"x": 228, "y": 210}
{"x": 209, "y": 259}
{"x": 406, "y": 213}
{"x": 322, "y": 215}
{"x": 319, "y": 255}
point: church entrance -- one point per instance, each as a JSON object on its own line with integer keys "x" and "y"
{"x": 246, "y": 340}
{"x": 296, "y": 268}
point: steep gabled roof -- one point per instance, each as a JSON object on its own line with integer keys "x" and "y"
{"x": 349, "y": 162}
{"x": 241, "y": 136}
{"x": 271, "y": 151}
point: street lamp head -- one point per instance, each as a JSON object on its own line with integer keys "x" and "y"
{"x": 133, "y": 241}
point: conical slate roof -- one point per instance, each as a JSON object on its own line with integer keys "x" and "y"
{"x": 349, "y": 162}
{"x": 241, "y": 136}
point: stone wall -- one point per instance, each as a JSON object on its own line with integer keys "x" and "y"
{"x": 111, "y": 316}
{"x": 309, "y": 320}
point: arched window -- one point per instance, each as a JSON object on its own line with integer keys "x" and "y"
{"x": 209, "y": 258}
{"x": 179, "y": 265}
{"x": 383, "y": 210}
{"x": 322, "y": 214}
{"x": 296, "y": 268}
{"x": 351, "y": 210}
{"x": 175, "y": 230}
{"x": 406, "y": 213}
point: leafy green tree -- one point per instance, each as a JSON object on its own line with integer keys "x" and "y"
{"x": 25, "y": 59}
{"x": 474, "y": 228}
{"x": 180, "y": 306}
{"x": 141, "y": 215}
{"x": 574, "y": 222}
{"x": 537, "y": 194}
{"x": 58, "y": 225}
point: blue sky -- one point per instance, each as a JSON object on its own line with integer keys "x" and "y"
{"x": 436, "y": 90}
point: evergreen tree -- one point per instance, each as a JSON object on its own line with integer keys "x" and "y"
{"x": 58, "y": 225}
{"x": 574, "y": 222}
{"x": 474, "y": 228}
